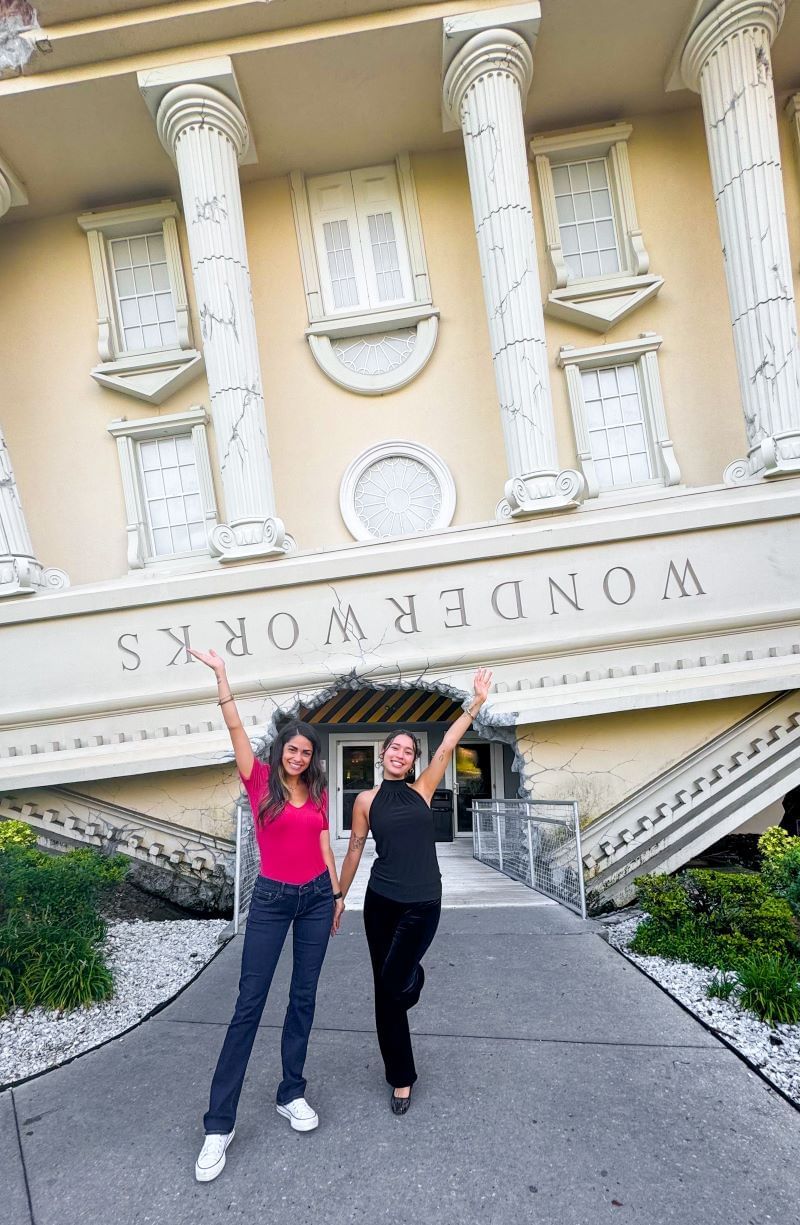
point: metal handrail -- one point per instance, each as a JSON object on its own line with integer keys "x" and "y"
{"x": 553, "y": 866}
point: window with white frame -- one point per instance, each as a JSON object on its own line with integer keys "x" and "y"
{"x": 360, "y": 239}
{"x": 145, "y": 307}
{"x": 586, "y": 222}
{"x": 616, "y": 424}
{"x": 171, "y": 494}
{"x": 618, "y": 415}
{"x": 166, "y": 478}
{"x": 372, "y": 324}
{"x": 144, "y": 329}
{"x": 592, "y": 232}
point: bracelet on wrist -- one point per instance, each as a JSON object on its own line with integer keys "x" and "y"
{"x": 222, "y": 701}
{"x": 337, "y": 896}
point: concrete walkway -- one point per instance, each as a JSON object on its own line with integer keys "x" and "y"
{"x": 557, "y": 1086}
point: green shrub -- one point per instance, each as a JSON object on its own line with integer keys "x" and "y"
{"x": 16, "y": 833}
{"x": 770, "y": 987}
{"x": 687, "y": 941}
{"x": 713, "y": 918}
{"x": 780, "y": 865}
{"x": 50, "y": 929}
{"x": 664, "y": 898}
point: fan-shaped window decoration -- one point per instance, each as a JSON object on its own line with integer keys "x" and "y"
{"x": 372, "y": 325}
{"x": 377, "y": 354}
{"x": 396, "y": 489}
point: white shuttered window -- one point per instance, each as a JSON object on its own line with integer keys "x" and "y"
{"x": 360, "y": 240}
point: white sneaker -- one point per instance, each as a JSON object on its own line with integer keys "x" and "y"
{"x": 211, "y": 1161}
{"x": 300, "y": 1114}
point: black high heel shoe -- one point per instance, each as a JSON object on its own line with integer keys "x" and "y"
{"x": 400, "y": 1105}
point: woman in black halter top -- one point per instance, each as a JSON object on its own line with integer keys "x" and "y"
{"x": 404, "y": 897}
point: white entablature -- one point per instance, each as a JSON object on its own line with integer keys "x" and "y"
{"x": 632, "y": 607}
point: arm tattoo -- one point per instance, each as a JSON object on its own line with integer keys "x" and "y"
{"x": 356, "y": 843}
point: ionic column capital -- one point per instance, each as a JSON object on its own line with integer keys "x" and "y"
{"x": 490, "y": 51}
{"x": 196, "y": 105}
{"x": 729, "y": 18}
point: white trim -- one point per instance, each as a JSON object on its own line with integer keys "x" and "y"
{"x": 643, "y": 353}
{"x": 414, "y": 309}
{"x": 150, "y": 374}
{"x": 128, "y": 434}
{"x": 597, "y": 302}
{"x": 387, "y": 450}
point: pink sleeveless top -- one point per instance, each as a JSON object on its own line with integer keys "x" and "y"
{"x": 289, "y": 845}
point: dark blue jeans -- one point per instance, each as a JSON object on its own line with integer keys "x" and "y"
{"x": 275, "y": 907}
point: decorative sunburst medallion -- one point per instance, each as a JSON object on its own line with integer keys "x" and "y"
{"x": 375, "y": 354}
{"x": 397, "y": 495}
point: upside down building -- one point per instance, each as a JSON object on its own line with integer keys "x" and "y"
{"x": 370, "y": 344}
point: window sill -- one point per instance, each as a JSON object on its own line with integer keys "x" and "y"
{"x": 370, "y": 322}
{"x": 150, "y": 376}
{"x": 161, "y": 567}
{"x": 601, "y": 302}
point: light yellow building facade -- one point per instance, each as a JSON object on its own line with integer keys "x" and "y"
{"x": 368, "y": 344}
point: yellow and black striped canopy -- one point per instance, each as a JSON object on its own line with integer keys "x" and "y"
{"x": 383, "y": 706}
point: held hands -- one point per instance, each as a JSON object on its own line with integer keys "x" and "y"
{"x": 338, "y": 911}
{"x": 211, "y": 659}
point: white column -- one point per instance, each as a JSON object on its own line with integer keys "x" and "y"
{"x": 206, "y": 134}
{"x": 484, "y": 89}
{"x": 727, "y": 59}
{"x": 20, "y": 571}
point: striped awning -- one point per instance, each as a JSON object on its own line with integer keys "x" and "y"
{"x": 384, "y": 706}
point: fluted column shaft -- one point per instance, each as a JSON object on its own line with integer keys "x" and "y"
{"x": 20, "y": 570}
{"x": 727, "y": 59}
{"x": 484, "y": 90}
{"x": 206, "y": 133}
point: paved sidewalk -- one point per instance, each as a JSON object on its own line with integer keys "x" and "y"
{"x": 557, "y": 1086}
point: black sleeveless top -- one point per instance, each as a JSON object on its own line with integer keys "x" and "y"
{"x": 406, "y": 868}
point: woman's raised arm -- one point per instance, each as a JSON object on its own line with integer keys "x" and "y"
{"x": 434, "y": 772}
{"x": 242, "y": 748}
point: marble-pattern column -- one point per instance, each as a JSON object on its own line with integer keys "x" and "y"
{"x": 20, "y": 571}
{"x": 727, "y": 59}
{"x": 484, "y": 88}
{"x": 206, "y": 134}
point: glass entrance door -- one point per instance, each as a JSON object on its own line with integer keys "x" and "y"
{"x": 358, "y": 770}
{"x": 473, "y": 770}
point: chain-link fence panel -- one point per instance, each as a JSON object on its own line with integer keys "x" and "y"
{"x": 248, "y": 863}
{"x": 537, "y": 842}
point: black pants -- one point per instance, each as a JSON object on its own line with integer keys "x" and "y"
{"x": 398, "y": 935}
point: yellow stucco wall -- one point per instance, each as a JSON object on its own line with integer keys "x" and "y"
{"x": 600, "y": 761}
{"x": 55, "y": 416}
{"x": 202, "y": 799}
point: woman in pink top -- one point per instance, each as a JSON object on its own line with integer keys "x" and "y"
{"x": 298, "y": 888}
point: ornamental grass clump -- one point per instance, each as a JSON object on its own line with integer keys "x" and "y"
{"x": 770, "y": 987}
{"x": 51, "y": 931}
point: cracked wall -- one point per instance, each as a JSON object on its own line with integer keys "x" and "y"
{"x": 57, "y": 333}
{"x": 602, "y": 760}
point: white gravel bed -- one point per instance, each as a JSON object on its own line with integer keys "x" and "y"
{"x": 776, "y": 1052}
{"x": 151, "y": 961}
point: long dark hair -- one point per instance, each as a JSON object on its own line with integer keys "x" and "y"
{"x": 402, "y": 731}
{"x": 277, "y": 794}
